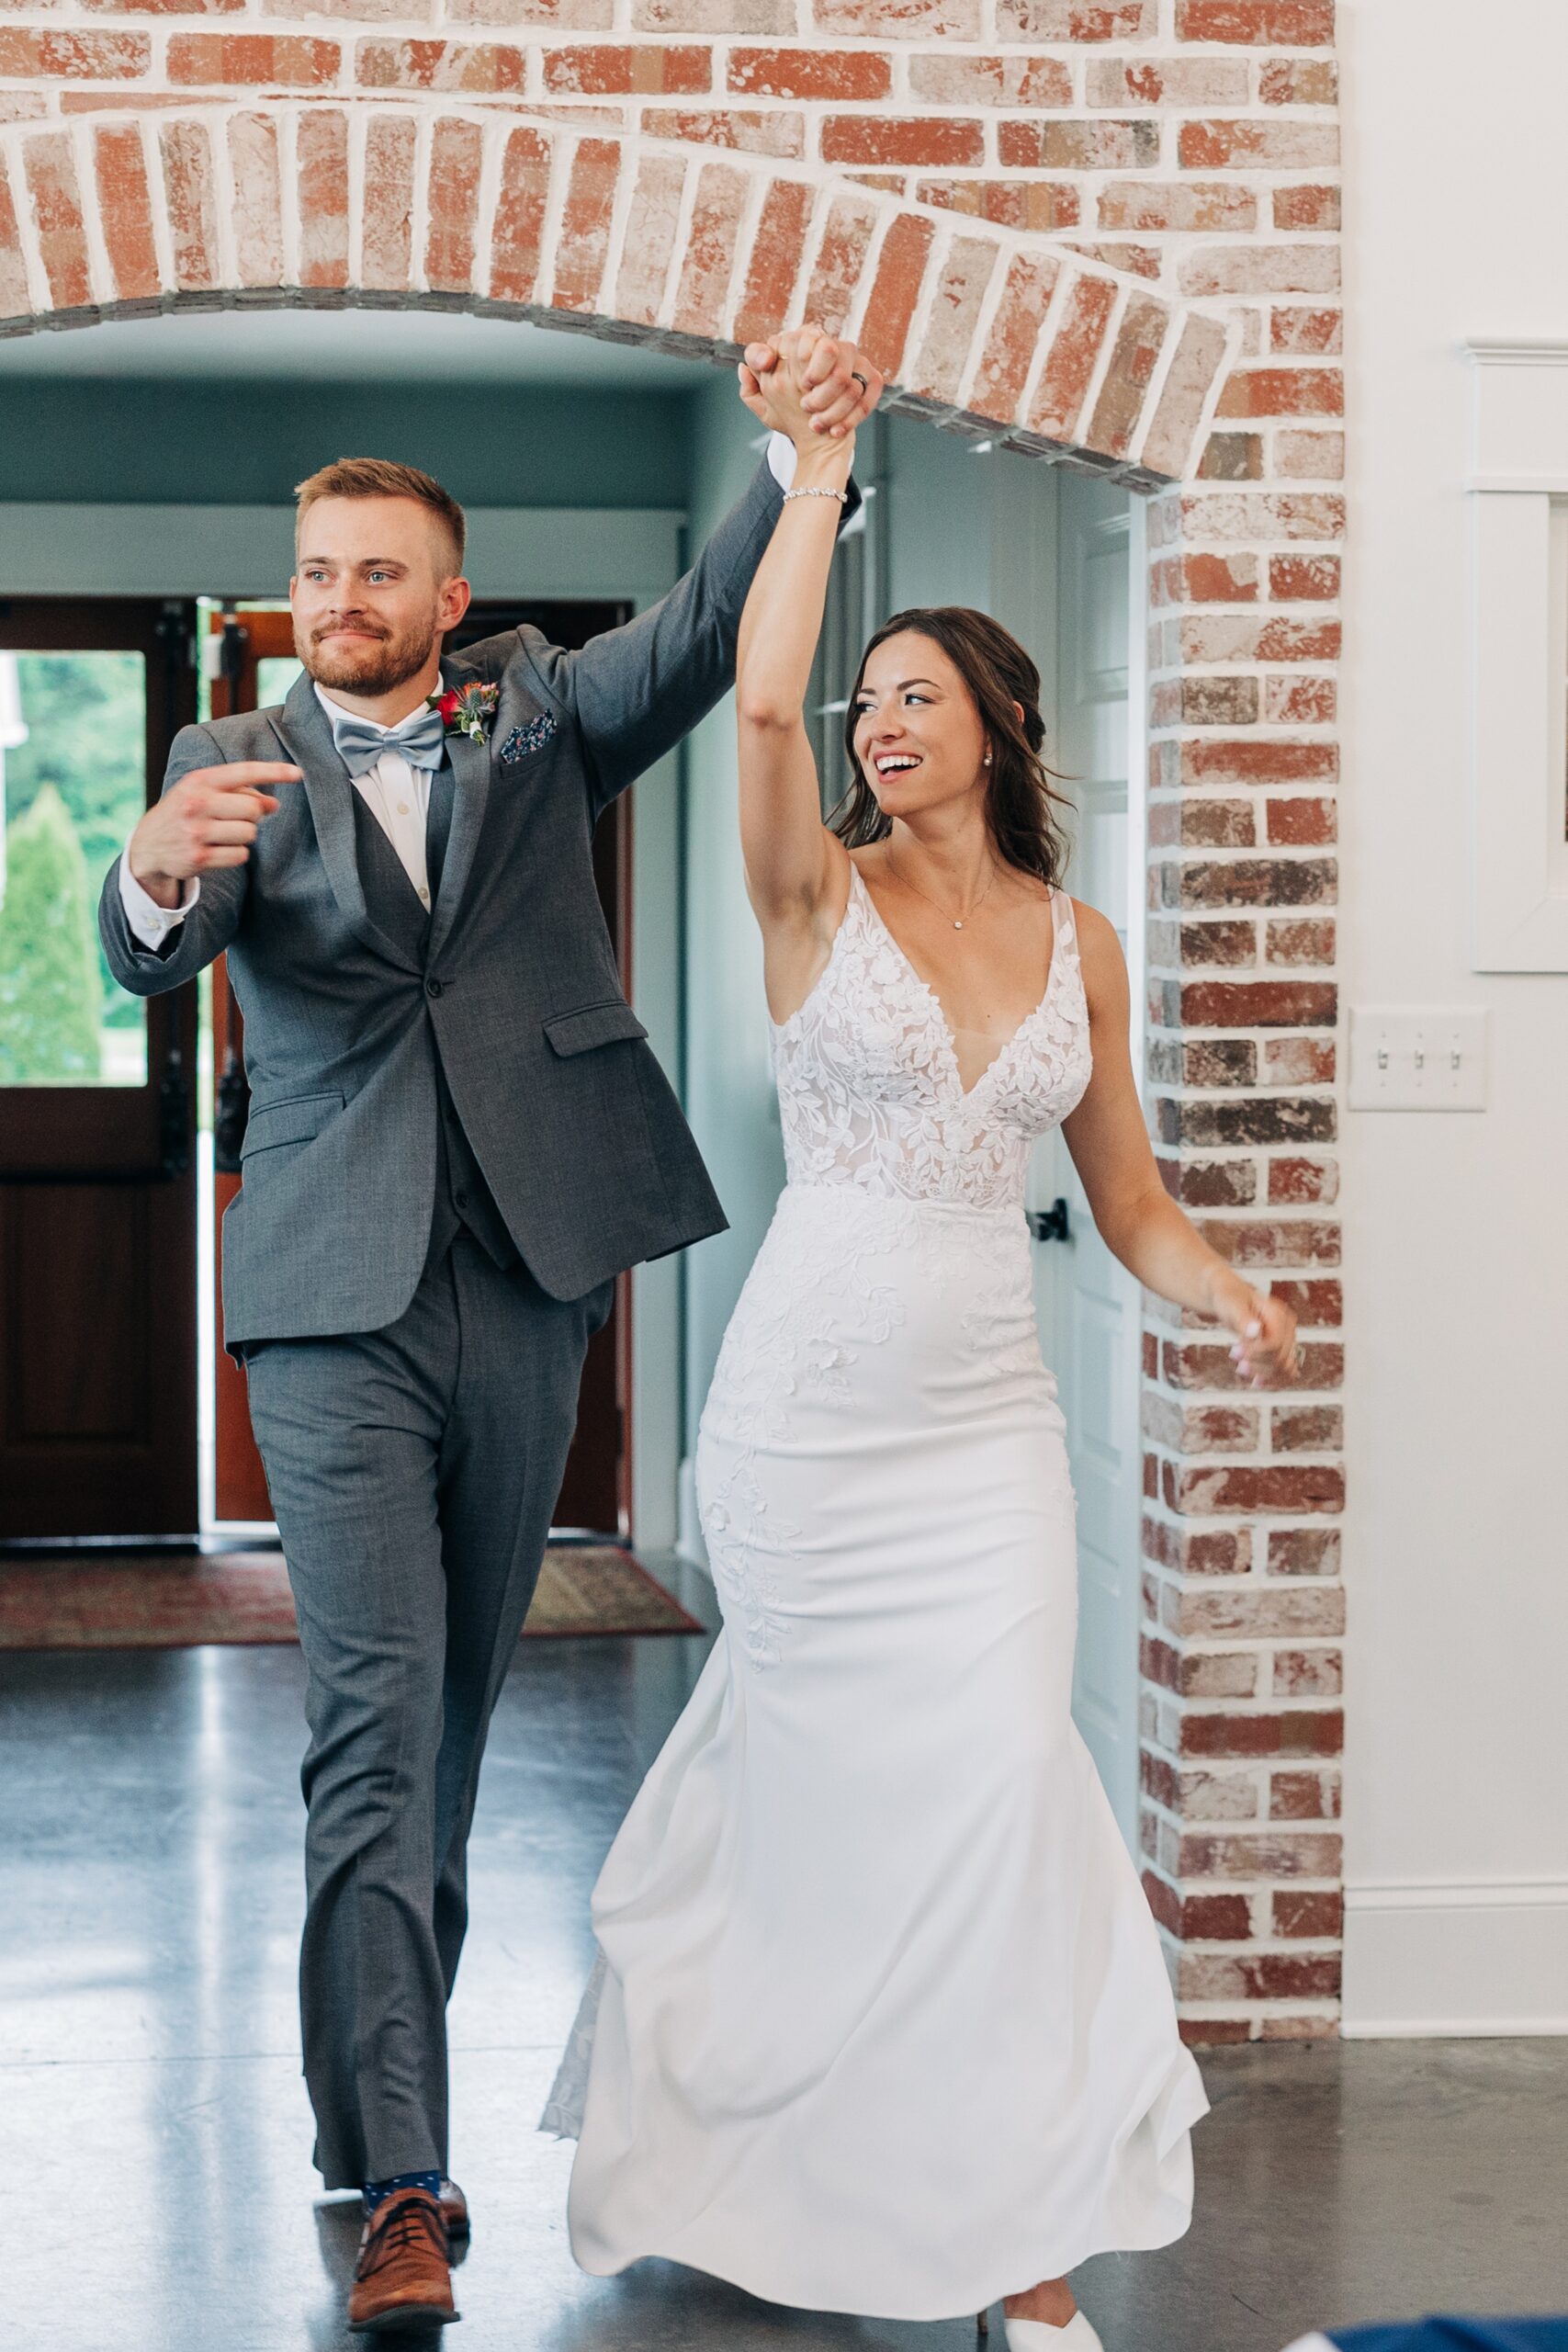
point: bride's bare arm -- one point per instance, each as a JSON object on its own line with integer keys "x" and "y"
{"x": 795, "y": 870}
{"x": 1137, "y": 1219}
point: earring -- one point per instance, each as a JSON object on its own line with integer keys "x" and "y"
{"x": 986, "y": 761}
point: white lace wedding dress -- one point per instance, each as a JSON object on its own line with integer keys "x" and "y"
{"x": 882, "y": 2023}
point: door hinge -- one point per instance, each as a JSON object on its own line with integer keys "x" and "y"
{"x": 174, "y": 1117}
{"x": 232, "y": 644}
{"x": 176, "y": 631}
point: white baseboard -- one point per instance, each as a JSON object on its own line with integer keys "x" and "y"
{"x": 1478, "y": 1956}
{"x": 689, "y": 1537}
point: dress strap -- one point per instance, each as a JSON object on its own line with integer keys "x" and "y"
{"x": 1064, "y": 926}
{"x": 861, "y": 906}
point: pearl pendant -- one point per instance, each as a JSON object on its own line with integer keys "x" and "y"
{"x": 956, "y": 924}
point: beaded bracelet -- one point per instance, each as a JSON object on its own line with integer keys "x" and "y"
{"x": 813, "y": 490}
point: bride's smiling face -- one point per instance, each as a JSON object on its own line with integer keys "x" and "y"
{"x": 918, "y": 733}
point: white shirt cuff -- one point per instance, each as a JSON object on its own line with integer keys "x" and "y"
{"x": 150, "y": 922}
{"x": 781, "y": 459}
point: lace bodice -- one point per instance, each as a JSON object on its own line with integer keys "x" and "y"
{"x": 868, "y": 1078}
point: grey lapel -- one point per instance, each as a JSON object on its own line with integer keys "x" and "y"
{"x": 305, "y": 732}
{"x": 471, "y": 780}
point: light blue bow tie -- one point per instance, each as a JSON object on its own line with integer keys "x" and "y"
{"x": 422, "y": 739}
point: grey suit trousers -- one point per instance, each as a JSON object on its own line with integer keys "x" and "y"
{"x": 413, "y": 1472}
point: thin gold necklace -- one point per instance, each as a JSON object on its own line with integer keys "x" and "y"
{"x": 956, "y": 920}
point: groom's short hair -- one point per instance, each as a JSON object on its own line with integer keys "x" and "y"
{"x": 380, "y": 477}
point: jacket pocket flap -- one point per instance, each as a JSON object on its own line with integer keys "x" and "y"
{"x": 594, "y": 1024}
{"x": 293, "y": 1121}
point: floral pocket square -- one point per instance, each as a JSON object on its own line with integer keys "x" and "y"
{"x": 524, "y": 739}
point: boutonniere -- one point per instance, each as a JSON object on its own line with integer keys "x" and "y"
{"x": 466, "y": 710}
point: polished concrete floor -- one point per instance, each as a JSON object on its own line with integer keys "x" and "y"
{"x": 152, "y": 2108}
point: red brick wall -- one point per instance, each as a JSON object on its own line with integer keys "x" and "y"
{"x": 1105, "y": 231}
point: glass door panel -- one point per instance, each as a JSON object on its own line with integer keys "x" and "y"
{"x": 72, "y": 784}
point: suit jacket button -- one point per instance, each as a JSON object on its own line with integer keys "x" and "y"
{"x": 433, "y": 985}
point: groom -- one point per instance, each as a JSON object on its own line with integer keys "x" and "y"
{"x": 458, "y": 1137}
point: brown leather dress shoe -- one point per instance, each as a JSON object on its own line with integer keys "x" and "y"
{"x": 401, "y": 2281}
{"x": 454, "y": 2208}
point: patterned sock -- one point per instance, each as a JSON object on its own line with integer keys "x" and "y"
{"x": 374, "y": 2190}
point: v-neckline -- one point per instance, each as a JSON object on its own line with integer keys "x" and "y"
{"x": 949, "y": 1035}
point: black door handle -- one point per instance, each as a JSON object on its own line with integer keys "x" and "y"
{"x": 1050, "y": 1225}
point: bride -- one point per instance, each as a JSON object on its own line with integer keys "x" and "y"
{"x": 882, "y": 2023}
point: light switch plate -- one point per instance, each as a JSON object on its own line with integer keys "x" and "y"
{"x": 1429, "y": 1057}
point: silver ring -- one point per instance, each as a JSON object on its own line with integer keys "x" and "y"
{"x": 856, "y": 377}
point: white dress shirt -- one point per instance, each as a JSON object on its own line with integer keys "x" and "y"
{"x": 397, "y": 795}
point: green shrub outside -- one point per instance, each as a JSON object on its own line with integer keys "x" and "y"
{"x": 87, "y": 716}
{"x": 51, "y": 991}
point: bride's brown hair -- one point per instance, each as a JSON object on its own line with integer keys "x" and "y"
{"x": 1021, "y": 799}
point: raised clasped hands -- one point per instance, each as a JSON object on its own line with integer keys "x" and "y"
{"x": 813, "y": 386}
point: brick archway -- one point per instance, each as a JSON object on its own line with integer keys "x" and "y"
{"x": 647, "y": 241}
{"x": 1178, "y": 328}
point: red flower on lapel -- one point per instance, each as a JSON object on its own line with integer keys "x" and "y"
{"x": 466, "y": 710}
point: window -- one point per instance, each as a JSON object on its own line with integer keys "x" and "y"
{"x": 72, "y": 784}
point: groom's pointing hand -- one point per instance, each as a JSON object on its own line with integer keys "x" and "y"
{"x": 210, "y": 819}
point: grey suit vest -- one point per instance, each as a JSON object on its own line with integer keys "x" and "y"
{"x": 464, "y": 1202}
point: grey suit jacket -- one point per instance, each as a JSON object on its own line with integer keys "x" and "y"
{"x": 572, "y": 1121}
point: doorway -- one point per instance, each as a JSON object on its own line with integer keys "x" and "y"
{"x": 251, "y": 665}
{"x": 98, "y": 1182}
{"x": 1090, "y": 1306}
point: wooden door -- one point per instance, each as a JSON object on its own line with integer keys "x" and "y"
{"x": 257, "y": 666}
{"x": 98, "y": 1184}
{"x": 1089, "y": 1304}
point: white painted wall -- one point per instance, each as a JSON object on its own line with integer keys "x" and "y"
{"x": 939, "y": 537}
{"x": 1456, "y": 1246}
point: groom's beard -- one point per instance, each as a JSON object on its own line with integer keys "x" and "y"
{"x": 361, "y": 668}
